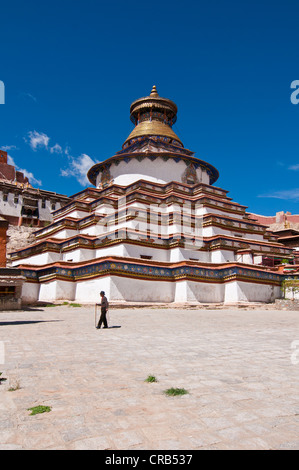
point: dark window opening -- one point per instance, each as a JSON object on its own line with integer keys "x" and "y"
{"x": 7, "y": 291}
{"x": 29, "y": 212}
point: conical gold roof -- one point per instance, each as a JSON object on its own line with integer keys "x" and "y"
{"x": 153, "y": 116}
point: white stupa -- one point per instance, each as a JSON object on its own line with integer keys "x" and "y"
{"x": 153, "y": 228}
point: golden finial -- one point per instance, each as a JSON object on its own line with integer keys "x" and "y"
{"x": 153, "y": 116}
{"x": 154, "y": 91}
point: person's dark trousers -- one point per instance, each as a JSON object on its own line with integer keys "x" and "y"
{"x": 103, "y": 318}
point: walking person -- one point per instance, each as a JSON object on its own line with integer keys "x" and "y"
{"x": 104, "y": 309}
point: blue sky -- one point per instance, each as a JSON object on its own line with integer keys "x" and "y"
{"x": 71, "y": 69}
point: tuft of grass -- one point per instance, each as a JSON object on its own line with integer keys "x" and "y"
{"x": 173, "y": 392}
{"x": 151, "y": 379}
{"x": 39, "y": 409}
{"x": 75, "y": 305}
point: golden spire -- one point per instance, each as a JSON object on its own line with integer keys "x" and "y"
{"x": 154, "y": 92}
{"x": 153, "y": 116}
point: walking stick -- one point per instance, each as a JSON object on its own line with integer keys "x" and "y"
{"x": 95, "y": 316}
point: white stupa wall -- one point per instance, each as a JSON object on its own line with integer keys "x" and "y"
{"x": 72, "y": 212}
{"x": 125, "y": 250}
{"x": 222, "y": 256}
{"x": 250, "y": 292}
{"x": 57, "y": 290}
{"x": 141, "y": 291}
{"x": 65, "y": 233}
{"x": 189, "y": 291}
{"x": 138, "y": 290}
{"x": 77, "y": 255}
{"x": 39, "y": 259}
{"x": 30, "y": 292}
{"x": 91, "y": 288}
{"x": 157, "y": 171}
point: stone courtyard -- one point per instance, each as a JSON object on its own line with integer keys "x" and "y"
{"x": 239, "y": 365}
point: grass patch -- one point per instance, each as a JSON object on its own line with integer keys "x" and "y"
{"x": 63, "y": 303}
{"x": 39, "y": 409}
{"x": 173, "y": 392}
{"x": 151, "y": 379}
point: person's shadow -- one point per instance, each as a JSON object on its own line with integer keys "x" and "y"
{"x": 25, "y": 322}
{"x": 109, "y": 327}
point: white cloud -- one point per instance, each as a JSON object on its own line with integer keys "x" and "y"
{"x": 67, "y": 151}
{"x": 294, "y": 167}
{"x": 31, "y": 177}
{"x": 7, "y": 148}
{"x": 38, "y": 140}
{"x": 78, "y": 168}
{"x": 56, "y": 149}
{"x": 10, "y": 160}
{"x": 288, "y": 194}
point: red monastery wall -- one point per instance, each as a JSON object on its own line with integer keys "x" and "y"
{"x": 8, "y": 172}
{"x": 279, "y": 218}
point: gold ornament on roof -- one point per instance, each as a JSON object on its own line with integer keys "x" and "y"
{"x": 154, "y": 91}
{"x": 153, "y": 116}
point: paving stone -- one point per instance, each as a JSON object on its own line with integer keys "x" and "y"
{"x": 235, "y": 363}
{"x": 92, "y": 443}
{"x": 10, "y": 447}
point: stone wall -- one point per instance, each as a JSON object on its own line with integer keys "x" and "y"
{"x": 19, "y": 237}
{"x": 11, "y": 282}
